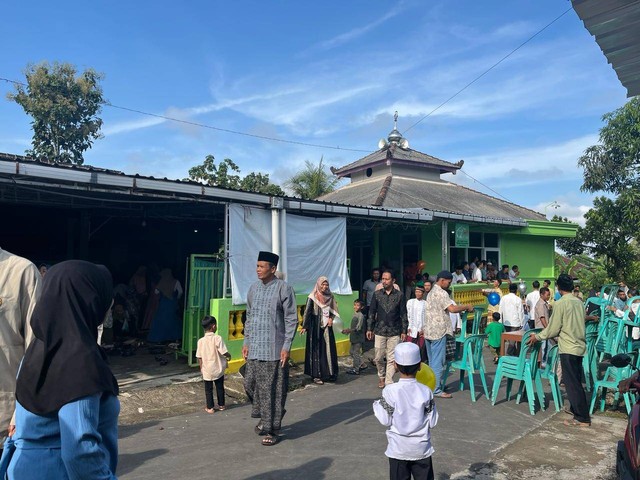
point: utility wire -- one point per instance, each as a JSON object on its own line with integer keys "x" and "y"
{"x": 491, "y": 67}
{"x": 219, "y": 129}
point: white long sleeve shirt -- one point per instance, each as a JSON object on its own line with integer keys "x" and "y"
{"x": 415, "y": 316}
{"x": 511, "y": 311}
{"x": 409, "y": 410}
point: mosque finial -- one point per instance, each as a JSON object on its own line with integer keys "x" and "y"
{"x": 395, "y": 120}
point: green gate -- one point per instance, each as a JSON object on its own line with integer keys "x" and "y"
{"x": 204, "y": 282}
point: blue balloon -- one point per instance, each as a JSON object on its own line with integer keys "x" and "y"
{"x": 493, "y": 298}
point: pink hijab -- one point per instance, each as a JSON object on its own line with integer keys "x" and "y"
{"x": 323, "y": 300}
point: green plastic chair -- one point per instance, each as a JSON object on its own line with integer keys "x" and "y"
{"x": 478, "y": 312}
{"x": 471, "y": 362}
{"x": 590, "y": 359}
{"x": 550, "y": 373}
{"x": 524, "y": 367}
{"x": 610, "y": 380}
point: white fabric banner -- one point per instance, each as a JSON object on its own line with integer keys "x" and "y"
{"x": 249, "y": 232}
{"x": 315, "y": 247}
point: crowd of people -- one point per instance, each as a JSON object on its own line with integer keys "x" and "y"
{"x": 59, "y": 395}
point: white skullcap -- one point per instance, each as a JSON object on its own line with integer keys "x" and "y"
{"x": 407, "y": 353}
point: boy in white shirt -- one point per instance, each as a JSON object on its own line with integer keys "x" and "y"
{"x": 409, "y": 410}
{"x": 212, "y": 357}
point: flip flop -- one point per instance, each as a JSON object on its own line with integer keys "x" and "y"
{"x": 575, "y": 423}
{"x": 269, "y": 440}
{"x": 317, "y": 381}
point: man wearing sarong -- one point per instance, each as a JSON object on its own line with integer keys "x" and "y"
{"x": 268, "y": 332}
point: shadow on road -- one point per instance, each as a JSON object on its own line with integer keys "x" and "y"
{"x": 348, "y": 412}
{"x": 128, "y": 462}
{"x": 313, "y": 470}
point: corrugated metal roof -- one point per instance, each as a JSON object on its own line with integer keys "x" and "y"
{"x": 436, "y": 196}
{"x": 615, "y": 24}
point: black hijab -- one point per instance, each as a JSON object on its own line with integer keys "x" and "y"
{"x": 64, "y": 362}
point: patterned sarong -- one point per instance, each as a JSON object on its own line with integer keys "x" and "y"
{"x": 266, "y": 384}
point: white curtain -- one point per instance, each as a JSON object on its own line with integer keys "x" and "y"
{"x": 315, "y": 247}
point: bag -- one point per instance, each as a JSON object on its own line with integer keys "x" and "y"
{"x": 7, "y": 453}
{"x": 450, "y": 349}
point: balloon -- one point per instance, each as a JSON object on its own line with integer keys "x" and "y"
{"x": 426, "y": 376}
{"x": 493, "y": 298}
{"x": 338, "y": 326}
{"x": 421, "y": 265}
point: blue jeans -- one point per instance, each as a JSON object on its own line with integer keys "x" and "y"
{"x": 436, "y": 350}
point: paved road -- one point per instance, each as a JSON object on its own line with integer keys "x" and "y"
{"x": 329, "y": 433}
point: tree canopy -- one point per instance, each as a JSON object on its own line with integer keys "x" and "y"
{"x": 226, "y": 174}
{"x": 312, "y": 182}
{"x": 613, "y": 167}
{"x": 64, "y": 106}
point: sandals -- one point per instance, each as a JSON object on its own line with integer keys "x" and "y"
{"x": 209, "y": 410}
{"x": 258, "y": 430}
{"x": 381, "y": 383}
{"x": 317, "y": 381}
{"x": 222, "y": 408}
{"x": 575, "y": 423}
{"x": 269, "y": 440}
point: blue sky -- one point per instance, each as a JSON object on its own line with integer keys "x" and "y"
{"x": 329, "y": 73}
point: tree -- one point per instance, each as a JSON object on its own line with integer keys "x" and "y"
{"x": 227, "y": 175}
{"x": 64, "y": 106}
{"x": 312, "y": 182}
{"x": 613, "y": 167}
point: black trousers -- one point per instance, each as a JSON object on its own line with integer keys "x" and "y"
{"x": 572, "y": 378}
{"x": 208, "y": 391}
{"x": 512, "y": 349}
{"x": 404, "y": 469}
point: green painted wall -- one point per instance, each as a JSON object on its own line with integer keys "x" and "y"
{"x": 432, "y": 248}
{"x": 533, "y": 255}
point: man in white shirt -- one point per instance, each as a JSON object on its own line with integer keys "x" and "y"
{"x": 459, "y": 277}
{"x": 532, "y": 298}
{"x": 476, "y": 276}
{"x": 512, "y": 314}
{"x": 514, "y": 273}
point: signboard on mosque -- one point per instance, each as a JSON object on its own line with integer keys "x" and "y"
{"x": 462, "y": 235}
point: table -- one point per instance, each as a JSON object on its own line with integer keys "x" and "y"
{"x": 515, "y": 336}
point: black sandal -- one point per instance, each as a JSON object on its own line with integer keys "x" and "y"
{"x": 258, "y": 429}
{"x": 270, "y": 440}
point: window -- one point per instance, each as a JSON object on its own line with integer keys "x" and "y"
{"x": 482, "y": 245}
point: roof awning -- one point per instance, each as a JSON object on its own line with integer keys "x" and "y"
{"x": 615, "y": 24}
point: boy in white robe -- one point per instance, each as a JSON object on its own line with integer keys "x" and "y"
{"x": 409, "y": 410}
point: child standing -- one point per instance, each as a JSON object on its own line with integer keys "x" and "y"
{"x": 494, "y": 334}
{"x": 356, "y": 337}
{"x": 212, "y": 357}
{"x": 408, "y": 409}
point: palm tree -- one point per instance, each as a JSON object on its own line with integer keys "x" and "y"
{"x": 312, "y": 182}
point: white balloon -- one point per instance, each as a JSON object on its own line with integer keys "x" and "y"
{"x": 338, "y": 326}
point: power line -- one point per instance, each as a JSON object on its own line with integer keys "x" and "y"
{"x": 219, "y": 129}
{"x": 485, "y": 186}
{"x": 491, "y": 67}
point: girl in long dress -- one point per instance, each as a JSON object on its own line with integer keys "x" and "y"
{"x": 321, "y": 358}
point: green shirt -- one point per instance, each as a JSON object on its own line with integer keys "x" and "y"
{"x": 567, "y": 323}
{"x": 494, "y": 334}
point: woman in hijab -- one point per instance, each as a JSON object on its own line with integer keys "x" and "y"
{"x": 321, "y": 358}
{"x": 166, "y": 325}
{"x": 67, "y": 406}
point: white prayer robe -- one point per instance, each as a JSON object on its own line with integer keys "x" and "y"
{"x": 409, "y": 410}
{"x": 19, "y": 291}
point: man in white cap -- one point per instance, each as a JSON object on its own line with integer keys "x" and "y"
{"x": 408, "y": 409}
{"x": 271, "y": 324}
